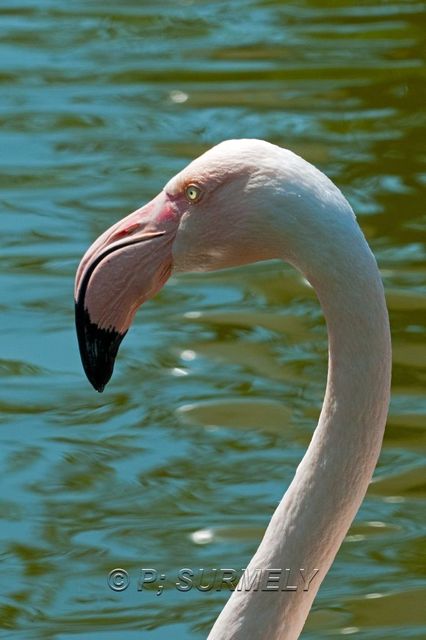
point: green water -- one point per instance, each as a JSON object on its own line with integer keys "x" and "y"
{"x": 182, "y": 460}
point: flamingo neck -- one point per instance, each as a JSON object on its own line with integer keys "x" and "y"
{"x": 316, "y": 512}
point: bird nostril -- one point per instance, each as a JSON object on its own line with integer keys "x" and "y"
{"x": 126, "y": 231}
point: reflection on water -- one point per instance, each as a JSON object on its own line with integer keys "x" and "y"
{"x": 218, "y": 386}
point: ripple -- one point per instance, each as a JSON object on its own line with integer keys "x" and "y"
{"x": 237, "y": 414}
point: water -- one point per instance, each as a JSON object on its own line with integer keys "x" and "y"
{"x": 219, "y": 383}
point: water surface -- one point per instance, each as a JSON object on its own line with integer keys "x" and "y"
{"x": 219, "y": 383}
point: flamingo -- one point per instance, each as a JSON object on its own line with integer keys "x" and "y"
{"x": 240, "y": 202}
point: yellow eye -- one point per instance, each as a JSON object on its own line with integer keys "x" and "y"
{"x": 193, "y": 193}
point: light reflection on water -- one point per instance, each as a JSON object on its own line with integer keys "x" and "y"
{"x": 217, "y": 388}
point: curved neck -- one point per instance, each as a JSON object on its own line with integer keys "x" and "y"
{"x": 315, "y": 513}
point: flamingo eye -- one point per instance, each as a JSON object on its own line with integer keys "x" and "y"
{"x": 193, "y": 193}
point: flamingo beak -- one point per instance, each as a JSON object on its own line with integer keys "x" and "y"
{"x": 124, "y": 267}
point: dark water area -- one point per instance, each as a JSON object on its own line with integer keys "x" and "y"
{"x": 182, "y": 460}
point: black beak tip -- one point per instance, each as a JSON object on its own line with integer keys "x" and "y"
{"x": 98, "y": 349}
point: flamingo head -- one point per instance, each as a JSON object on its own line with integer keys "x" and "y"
{"x": 219, "y": 212}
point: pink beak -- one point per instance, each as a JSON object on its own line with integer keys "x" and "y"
{"x": 124, "y": 267}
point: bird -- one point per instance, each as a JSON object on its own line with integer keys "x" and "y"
{"x": 245, "y": 201}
